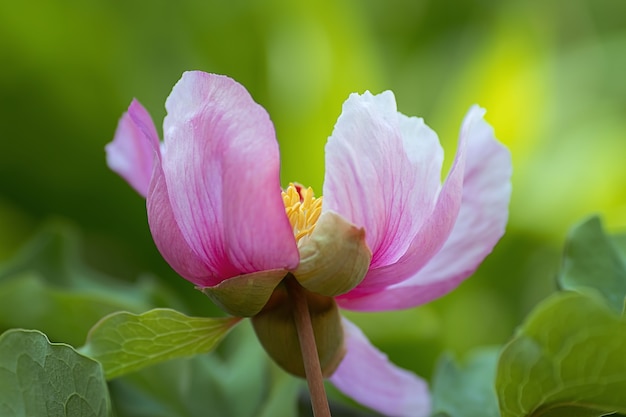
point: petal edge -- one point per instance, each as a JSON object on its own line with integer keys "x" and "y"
{"x": 366, "y": 375}
{"x": 131, "y": 153}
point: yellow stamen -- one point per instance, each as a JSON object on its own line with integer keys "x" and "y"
{"x": 302, "y": 209}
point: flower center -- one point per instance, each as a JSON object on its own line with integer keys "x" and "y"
{"x": 302, "y": 209}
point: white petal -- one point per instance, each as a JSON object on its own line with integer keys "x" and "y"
{"x": 480, "y": 224}
{"x": 382, "y": 173}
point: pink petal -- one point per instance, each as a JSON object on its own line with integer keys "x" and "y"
{"x": 221, "y": 169}
{"x": 131, "y": 153}
{"x": 367, "y": 376}
{"x": 429, "y": 239}
{"x": 168, "y": 237}
{"x": 481, "y": 222}
{"x": 382, "y": 173}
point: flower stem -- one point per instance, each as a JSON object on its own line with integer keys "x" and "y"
{"x": 312, "y": 367}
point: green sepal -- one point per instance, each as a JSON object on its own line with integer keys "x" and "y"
{"x": 245, "y": 295}
{"x": 276, "y": 330}
{"x": 334, "y": 258}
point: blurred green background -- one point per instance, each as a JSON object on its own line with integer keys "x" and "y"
{"x": 551, "y": 75}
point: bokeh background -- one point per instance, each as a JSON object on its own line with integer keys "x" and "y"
{"x": 551, "y": 74}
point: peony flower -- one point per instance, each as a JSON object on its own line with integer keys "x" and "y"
{"x": 386, "y": 235}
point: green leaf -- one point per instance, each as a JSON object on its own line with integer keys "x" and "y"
{"x": 125, "y": 342}
{"x": 466, "y": 389}
{"x": 568, "y": 359}
{"x": 39, "y": 378}
{"x": 236, "y": 379}
{"x": 594, "y": 260}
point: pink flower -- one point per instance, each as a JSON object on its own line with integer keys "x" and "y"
{"x": 388, "y": 235}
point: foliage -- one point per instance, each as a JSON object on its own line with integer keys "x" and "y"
{"x": 124, "y": 342}
{"x": 466, "y": 389}
{"x": 567, "y": 358}
{"x": 39, "y": 378}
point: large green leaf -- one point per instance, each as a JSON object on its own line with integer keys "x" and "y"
{"x": 595, "y": 260}
{"x": 124, "y": 342}
{"x": 568, "y": 359}
{"x": 466, "y": 389}
{"x": 235, "y": 380}
{"x": 39, "y": 378}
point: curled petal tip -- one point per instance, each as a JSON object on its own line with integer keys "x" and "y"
{"x": 131, "y": 153}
